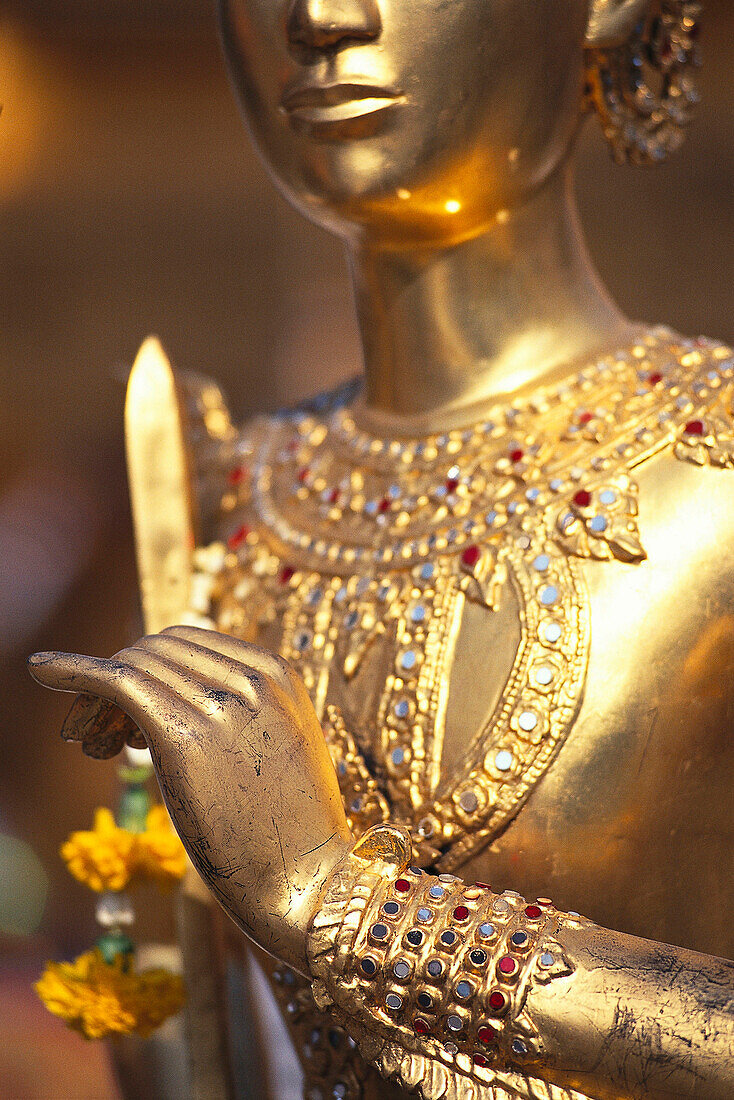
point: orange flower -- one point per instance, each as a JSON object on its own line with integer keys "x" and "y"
{"x": 107, "y": 857}
{"x": 98, "y": 999}
{"x": 160, "y": 854}
{"x": 103, "y": 857}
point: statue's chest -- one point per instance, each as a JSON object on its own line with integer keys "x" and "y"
{"x": 430, "y": 593}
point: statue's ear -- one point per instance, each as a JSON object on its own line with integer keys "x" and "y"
{"x": 611, "y": 22}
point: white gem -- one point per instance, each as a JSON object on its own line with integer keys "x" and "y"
{"x": 398, "y": 757}
{"x": 552, "y": 632}
{"x": 407, "y": 661}
{"x": 607, "y": 496}
{"x": 598, "y": 524}
{"x": 503, "y": 760}
{"x": 453, "y": 473}
{"x": 418, "y": 613}
{"x": 541, "y": 563}
{"x": 549, "y": 595}
{"x": 528, "y": 721}
{"x": 546, "y": 959}
{"x": 544, "y": 675}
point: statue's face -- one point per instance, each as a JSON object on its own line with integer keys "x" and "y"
{"x": 420, "y": 118}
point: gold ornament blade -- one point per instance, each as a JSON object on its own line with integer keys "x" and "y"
{"x": 163, "y": 509}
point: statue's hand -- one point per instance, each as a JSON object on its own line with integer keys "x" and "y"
{"x": 242, "y": 764}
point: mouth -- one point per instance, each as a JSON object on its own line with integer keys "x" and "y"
{"x": 346, "y": 106}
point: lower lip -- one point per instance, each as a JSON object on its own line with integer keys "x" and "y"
{"x": 360, "y": 113}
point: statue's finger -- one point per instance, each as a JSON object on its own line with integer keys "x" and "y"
{"x": 244, "y": 652}
{"x": 196, "y": 675}
{"x": 151, "y": 704}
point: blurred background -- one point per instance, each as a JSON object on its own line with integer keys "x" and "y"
{"x": 131, "y": 203}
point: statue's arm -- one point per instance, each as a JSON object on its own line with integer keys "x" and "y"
{"x": 448, "y": 987}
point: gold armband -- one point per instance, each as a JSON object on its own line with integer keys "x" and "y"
{"x": 432, "y": 975}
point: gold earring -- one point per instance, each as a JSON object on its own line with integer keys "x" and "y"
{"x": 645, "y": 90}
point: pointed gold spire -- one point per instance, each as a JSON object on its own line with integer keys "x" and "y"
{"x": 160, "y": 486}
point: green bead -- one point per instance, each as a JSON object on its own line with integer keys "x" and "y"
{"x": 114, "y": 944}
{"x": 137, "y": 774}
{"x": 133, "y": 810}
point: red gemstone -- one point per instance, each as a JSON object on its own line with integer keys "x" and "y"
{"x": 461, "y": 913}
{"x": 486, "y": 1034}
{"x": 384, "y": 505}
{"x": 402, "y": 885}
{"x": 654, "y": 378}
{"x": 421, "y": 1026}
{"x": 235, "y": 540}
{"x": 533, "y": 912}
{"x": 286, "y": 573}
{"x": 543, "y": 901}
{"x": 333, "y": 496}
{"x": 303, "y": 474}
{"x": 483, "y": 885}
{"x": 471, "y": 556}
{"x": 480, "y": 1060}
{"x": 585, "y": 417}
{"x": 507, "y": 965}
{"x": 516, "y": 455}
{"x": 582, "y": 499}
{"x": 452, "y": 484}
{"x": 694, "y": 427}
{"x": 497, "y": 1001}
{"x": 237, "y": 475}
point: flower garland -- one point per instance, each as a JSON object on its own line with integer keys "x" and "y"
{"x": 108, "y": 858}
{"x": 100, "y": 993}
{"x": 99, "y": 998}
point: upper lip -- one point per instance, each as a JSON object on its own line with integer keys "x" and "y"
{"x": 300, "y": 94}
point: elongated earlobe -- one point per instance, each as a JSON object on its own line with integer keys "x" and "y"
{"x": 644, "y": 88}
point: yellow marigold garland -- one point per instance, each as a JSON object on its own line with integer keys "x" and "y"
{"x": 98, "y": 999}
{"x": 107, "y": 857}
{"x": 100, "y": 994}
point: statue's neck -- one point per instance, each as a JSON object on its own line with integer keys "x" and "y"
{"x": 448, "y": 328}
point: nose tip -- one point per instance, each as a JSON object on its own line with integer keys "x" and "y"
{"x": 323, "y": 24}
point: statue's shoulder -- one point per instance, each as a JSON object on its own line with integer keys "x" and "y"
{"x": 686, "y": 465}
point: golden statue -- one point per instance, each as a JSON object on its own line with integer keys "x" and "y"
{"x": 470, "y": 620}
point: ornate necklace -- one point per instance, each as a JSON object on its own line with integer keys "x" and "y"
{"x": 365, "y": 551}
